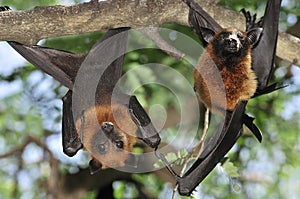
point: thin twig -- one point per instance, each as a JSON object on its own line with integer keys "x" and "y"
{"x": 16, "y": 150}
{"x": 53, "y": 162}
{"x": 199, "y": 147}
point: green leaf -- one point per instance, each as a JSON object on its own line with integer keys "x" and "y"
{"x": 230, "y": 169}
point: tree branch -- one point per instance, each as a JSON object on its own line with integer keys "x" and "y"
{"x": 153, "y": 34}
{"x": 30, "y": 26}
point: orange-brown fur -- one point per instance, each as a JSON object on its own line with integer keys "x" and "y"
{"x": 94, "y": 117}
{"x": 220, "y": 87}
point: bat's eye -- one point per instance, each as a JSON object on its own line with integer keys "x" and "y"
{"x": 102, "y": 148}
{"x": 120, "y": 144}
{"x": 241, "y": 37}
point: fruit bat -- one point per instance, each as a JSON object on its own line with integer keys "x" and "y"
{"x": 107, "y": 123}
{"x": 262, "y": 39}
{"x": 228, "y": 53}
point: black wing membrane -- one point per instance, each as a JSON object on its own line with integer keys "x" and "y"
{"x": 264, "y": 53}
{"x": 224, "y": 139}
{"x": 100, "y": 71}
{"x": 61, "y": 65}
{"x": 228, "y": 135}
{"x": 70, "y": 140}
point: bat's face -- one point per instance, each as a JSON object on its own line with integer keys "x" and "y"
{"x": 101, "y": 136}
{"x": 230, "y": 42}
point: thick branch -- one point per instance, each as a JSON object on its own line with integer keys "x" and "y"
{"x": 30, "y": 26}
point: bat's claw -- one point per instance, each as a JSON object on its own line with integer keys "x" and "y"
{"x": 251, "y": 20}
{"x": 248, "y": 121}
{"x": 4, "y": 8}
{"x": 72, "y": 148}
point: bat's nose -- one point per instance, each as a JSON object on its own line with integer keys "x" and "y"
{"x": 107, "y": 127}
{"x": 231, "y": 43}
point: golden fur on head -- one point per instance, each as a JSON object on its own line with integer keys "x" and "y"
{"x": 92, "y": 136}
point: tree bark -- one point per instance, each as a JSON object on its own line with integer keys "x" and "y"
{"x": 30, "y": 26}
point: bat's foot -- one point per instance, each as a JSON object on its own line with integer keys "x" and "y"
{"x": 4, "y": 8}
{"x": 251, "y": 22}
{"x": 161, "y": 157}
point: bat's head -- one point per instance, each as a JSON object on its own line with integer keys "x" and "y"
{"x": 101, "y": 135}
{"x": 231, "y": 42}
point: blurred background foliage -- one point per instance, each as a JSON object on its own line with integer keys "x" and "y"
{"x": 30, "y": 125}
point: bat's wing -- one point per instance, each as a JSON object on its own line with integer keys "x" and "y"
{"x": 231, "y": 131}
{"x": 115, "y": 51}
{"x": 102, "y": 67}
{"x": 264, "y": 53}
{"x": 146, "y": 130}
{"x": 223, "y": 140}
{"x": 199, "y": 19}
{"x": 71, "y": 141}
{"x": 61, "y": 65}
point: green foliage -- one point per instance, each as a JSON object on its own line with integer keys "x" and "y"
{"x": 27, "y": 4}
{"x": 230, "y": 169}
{"x": 90, "y": 195}
{"x": 175, "y": 159}
{"x": 74, "y": 43}
{"x": 124, "y": 190}
{"x": 151, "y": 182}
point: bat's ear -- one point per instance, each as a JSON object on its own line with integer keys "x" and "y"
{"x": 95, "y": 166}
{"x": 208, "y": 34}
{"x": 254, "y": 35}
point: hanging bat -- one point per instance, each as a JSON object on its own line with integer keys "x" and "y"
{"x": 104, "y": 125}
{"x": 254, "y": 61}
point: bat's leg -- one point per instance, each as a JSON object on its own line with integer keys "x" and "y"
{"x": 71, "y": 141}
{"x": 161, "y": 157}
{"x": 146, "y": 130}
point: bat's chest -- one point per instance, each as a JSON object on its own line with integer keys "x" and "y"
{"x": 240, "y": 84}
{"x": 224, "y": 88}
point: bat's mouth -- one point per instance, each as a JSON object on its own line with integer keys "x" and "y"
{"x": 232, "y": 46}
